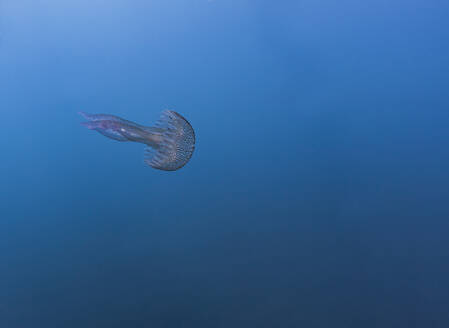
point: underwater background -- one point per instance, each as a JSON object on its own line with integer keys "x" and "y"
{"x": 318, "y": 193}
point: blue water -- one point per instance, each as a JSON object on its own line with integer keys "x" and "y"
{"x": 317, "y": 196}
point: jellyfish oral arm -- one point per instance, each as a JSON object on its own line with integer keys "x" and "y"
{"x": 119, "y": 129}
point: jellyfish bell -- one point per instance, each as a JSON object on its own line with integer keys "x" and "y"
{"x": 174, "y": 142}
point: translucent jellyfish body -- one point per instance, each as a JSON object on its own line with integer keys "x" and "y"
{"x": 169, "y": 144}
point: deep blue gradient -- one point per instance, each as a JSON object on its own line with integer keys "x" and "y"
{"x": 318, "y": 194}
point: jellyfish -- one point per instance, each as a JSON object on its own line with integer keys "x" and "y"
{"x": 169, "y": 144}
